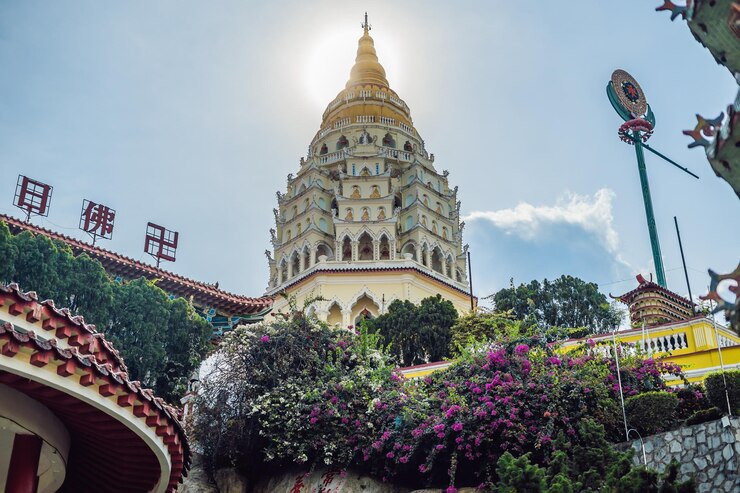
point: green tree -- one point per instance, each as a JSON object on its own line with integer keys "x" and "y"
{"x": 484, "y": 327}
{"x": 565, "y": 302}
{"x": 161, "y": 340}
{"x": 417, "y": 334}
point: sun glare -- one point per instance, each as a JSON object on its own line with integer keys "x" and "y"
{"x": 331, "y": 57}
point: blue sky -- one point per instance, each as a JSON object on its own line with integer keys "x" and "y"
{"x": 190, "y": 114}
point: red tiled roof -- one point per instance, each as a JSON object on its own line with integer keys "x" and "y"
{"x": 92, "y": 361}
{"x": 645, "y": 285}
{"x": 204, "y": 294}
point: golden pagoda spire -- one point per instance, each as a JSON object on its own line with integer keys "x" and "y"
{"x": 367, "y": 68}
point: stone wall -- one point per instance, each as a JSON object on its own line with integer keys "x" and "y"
{"x": 709, "y": 451}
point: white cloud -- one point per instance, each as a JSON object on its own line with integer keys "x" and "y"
{"x": 592, "y": 214}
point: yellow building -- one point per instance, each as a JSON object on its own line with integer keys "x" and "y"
{"x": 663, "y": 326}
{"x": 368, "y": 219}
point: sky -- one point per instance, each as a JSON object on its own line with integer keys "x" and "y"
{"x": 190, "y": 114}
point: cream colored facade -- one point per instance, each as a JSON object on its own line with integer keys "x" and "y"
{"x": 367, "y": 219}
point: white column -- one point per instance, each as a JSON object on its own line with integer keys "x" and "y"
{"x": 376, "y": 250}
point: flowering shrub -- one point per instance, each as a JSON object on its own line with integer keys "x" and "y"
{"x": 292, "y": 391}
{"x": 296, "y": 391}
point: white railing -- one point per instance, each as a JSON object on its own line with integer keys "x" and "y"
{"x": 365, "y": 119}
{"x": 396, "y": 101}
{"x": 387, "y": 121}
{"x": 400, "y": 155}
{"x": 381, "y": 95}
{"x": 406, "y": 128}
{"x": 723, "y": 341}
{"x": 366, "y": 94}
{"x": 342, "y": 123}
{"x": 663, "y": 344}
{"x": 325, "y": 131}
{"x": 332, "y": 157}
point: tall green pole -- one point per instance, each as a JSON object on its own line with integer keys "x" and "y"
{"x": 654, "y": 243}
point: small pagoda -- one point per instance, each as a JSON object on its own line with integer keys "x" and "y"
{"x": 650, "y": 304}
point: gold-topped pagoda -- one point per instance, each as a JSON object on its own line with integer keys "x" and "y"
{"x": 367, "y": 219}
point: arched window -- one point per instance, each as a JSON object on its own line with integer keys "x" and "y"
{"x": 408, "y": 147}
{"x": 364, "y": 171}
{"x": 409, "y": 199}
{"x": 323, "y": 226}
{"x": 410, "y": 247}
{"x": 324, "y": 149}
{"x": 342, "y": 142}
{"x": 323, "y": 249}
{"x": 335, "y": 315}
{"x": 346, "y": 249}
{"x": 365, "y": 247}
{"x": 388, "y": 141}
{"x": 437, "y": 260}
{"x": 295, "y": 263}
{"x": 385, "y": 248}
{"x": 306, "y": 258}
{"x": 409, "y": 179}
{"x": 364, "y": 315}
{"x": 322, "y": 203}
{"x": 409, "y": 223}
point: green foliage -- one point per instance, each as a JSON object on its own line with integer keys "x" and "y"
{"x": 704, "y": 416}
{"x": 162, "y": 341}
{"x": 651, "y": 412}
{"x": 417, "y": 334}
{"x": 292, "y": 391}
{"x": 565, "y": 302}
{"x": 518, "y": 474}
{"x": 483, "y": 327}
{"x": 715, "y": 385}
{"x": 590, "y": 465}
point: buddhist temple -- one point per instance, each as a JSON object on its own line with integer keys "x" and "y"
{"x": 368, "y": 218}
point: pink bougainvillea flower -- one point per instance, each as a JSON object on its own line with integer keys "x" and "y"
{"x": 265, "y": 338}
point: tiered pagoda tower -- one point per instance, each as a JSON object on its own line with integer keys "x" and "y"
{"x": 367, "y": 219}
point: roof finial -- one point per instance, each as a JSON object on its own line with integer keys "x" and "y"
{"x": 366, "y": 27}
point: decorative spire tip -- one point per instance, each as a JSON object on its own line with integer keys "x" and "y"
{"x": 366, "y": 26}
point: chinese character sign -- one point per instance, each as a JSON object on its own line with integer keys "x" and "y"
{"x": 97, "y": 220}
{"x": 160, "y": 243}
{"x": 32, "y": 196}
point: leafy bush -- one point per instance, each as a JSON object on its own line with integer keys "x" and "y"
{"x": 704, "y": 416}
{"x": 715, "y": 385}
{"x": 691, "y": 399}
{"x": 651, "y": 412}
{"x": 590, "y": 465}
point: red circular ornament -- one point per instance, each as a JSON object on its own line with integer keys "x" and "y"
{"x": 629, "y": 129}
